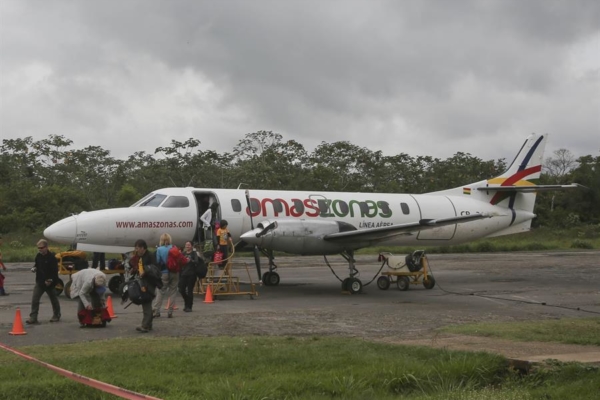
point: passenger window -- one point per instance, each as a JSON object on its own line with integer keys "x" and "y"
{"x": 154, "y": 201}
{"x": 254, "y": 205}
{"x": 277, "y": 206}
{"x": 405, "y": 209}
{"x": 299, "y": 206}
{"x": 236, "y": 205}
{"x": 176, "y": 202}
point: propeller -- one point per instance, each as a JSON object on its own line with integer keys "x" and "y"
{"x": 266, "y": 230}
{"x": 256, "y": 250}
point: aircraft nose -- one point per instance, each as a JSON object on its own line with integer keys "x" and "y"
{"x": 63, "y": 231}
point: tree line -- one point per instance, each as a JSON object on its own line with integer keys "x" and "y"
{"x": 46, "y": 180}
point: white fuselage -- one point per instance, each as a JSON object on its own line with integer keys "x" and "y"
{"x": 121, "y": 227}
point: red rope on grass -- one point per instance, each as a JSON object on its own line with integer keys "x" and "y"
{"x": 105, "y": 387}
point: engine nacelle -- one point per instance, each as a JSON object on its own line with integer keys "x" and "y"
{"x": 302, "y": 236}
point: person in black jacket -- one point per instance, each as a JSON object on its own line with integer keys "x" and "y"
{"x": 46, "y": 277}
{"x": 142, "y": 258}
{"x": 187, "y": 279}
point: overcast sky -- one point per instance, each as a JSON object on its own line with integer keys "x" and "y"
{"x": 419, "y": 77}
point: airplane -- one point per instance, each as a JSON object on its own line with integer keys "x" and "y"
{"x": 322, "y": 223}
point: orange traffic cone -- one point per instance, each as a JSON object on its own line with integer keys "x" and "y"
{"x": 208, "y": 297}
{"x": 18, "y": 325}
{"x": 169, "y": 304}
{"x": 109, "y": 306}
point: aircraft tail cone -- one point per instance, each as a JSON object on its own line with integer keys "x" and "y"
{"x": 208, "y": 298}
{"x": 18, "y": 324}
{"x": 109, "y": 306}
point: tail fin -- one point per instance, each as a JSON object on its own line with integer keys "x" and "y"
{"x": 526, "y": 166}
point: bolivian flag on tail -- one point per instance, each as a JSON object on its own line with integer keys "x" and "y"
{"x": 466, "y": 190}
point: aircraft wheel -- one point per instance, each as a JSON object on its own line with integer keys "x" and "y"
{"x": 354, "y": 286}
{"x": 429, "y": 283}
{"x": 345, "y": 283}
{"x": 264, "y": 279}
{"x": 272, "y": 279}
{"x": 403, "y": 283}
{"x": 115, "y": 283}
{"x": 383, "y": 283}
{"x": 68, "y": 289}
{"x": 60, "y": 285}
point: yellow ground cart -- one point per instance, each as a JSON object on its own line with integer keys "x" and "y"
{"x": 222, "y": 282}
{"x": 412, "y": 269}
{"x": 71, "y": 262}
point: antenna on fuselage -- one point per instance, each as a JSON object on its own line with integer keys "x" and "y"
{"x": 191, "y": 179}
{"x": 239, "y": 187}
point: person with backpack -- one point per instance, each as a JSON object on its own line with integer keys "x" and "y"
{"x": 140, "y": 260}
{"x": 194, "y": 269}
{"x": 170, "y": 260}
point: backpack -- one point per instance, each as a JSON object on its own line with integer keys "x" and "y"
{"x": 153, "y": 274}
{"x": 137, "y": 293}
{"x": 200, "y": 268}
{"x": 208, "y": 249}
{"x": 175, "y": 260}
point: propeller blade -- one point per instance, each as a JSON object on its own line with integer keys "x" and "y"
{"x": 256, "y": 251}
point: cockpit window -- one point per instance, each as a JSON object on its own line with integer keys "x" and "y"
{"x": 153, "y": 201}
{"x": 143, "y": 199}
{"x": 176, "y": 202}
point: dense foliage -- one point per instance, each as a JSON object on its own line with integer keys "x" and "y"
{"x": 44, "y": 181}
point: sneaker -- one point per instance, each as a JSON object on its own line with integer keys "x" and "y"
{"x": 142, "y": 329}
{"x": 187, "y": 309}
{"x": 32, "y": 322}
{"x": 155, "y": 314}
{"x": 55, "y": 319}
{"x": 170, "y": 314}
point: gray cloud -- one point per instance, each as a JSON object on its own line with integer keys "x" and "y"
{"x": 422, "y": 77}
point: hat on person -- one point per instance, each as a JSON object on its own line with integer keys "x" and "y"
{"x": 100, "y": 283}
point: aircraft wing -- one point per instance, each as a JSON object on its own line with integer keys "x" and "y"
{"x": 386, "y": 232}
{"x": 530, "y": 189}
{"x": 104, "y": 249}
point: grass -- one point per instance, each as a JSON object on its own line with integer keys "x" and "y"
{"x": 538, "y": 239}
{"x": 584, "y": 331}
{"x": 283, "y": 368}
{"x": 21, "y": 247}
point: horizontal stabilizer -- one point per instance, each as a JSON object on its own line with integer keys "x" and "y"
{"x": 530, "y": 188}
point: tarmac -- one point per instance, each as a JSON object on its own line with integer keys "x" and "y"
{"x": 491, "y": 287}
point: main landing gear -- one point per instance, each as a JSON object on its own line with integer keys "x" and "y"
{"x": 352, "y": 284}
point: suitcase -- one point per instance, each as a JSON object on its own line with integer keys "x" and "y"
{"x": 96, "y": 318}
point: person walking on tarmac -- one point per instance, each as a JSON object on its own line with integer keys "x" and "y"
{"x": 46, "y": 278}
{"x": 2, "y": 291}
{"x": 140, "y": 260}
{"x": 170, "y": 279}
{"x": 89, "y": 286}
{"x": 189, "y": 273}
